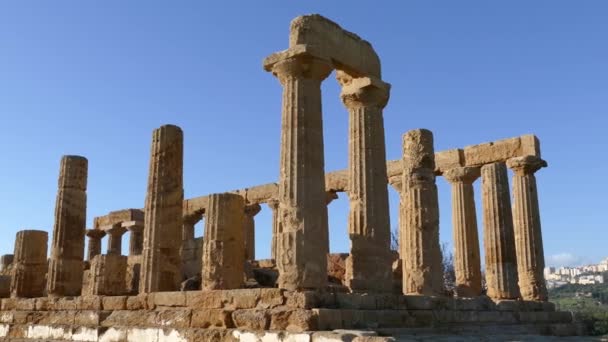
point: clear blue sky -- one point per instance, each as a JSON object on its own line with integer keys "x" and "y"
{"x": 95, "y": 78}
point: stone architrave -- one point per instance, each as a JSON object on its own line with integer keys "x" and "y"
{"x": 274, "y": 206}
{"x": 161, "y": 266}
{"x": 526, "y": 222}
{"x": 303, "y": 237}
{"x": 467, "y": 261}
{"x": 115, "y": 233}
{"x": 94, "y": 243}
{"x": 223, "y": 246}
{"x": 136, "y": 240}
{"x": 369, "y": 265}
{"x": 67, "y": 248}
{"x": 108, "y": 275}
{"x": 419, "y": 217}
{"x": 249, "y": 230}
{"x": 30, "y": 264}
{"x": 499, "y": 242}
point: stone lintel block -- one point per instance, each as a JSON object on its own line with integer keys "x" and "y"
{"x": 449, "y": 159}
{"x": 500, "y": 150}
{"x": 336, "y": 181}
{"x": 211, "y": 318}
{"x": 131, "y": 224}
{"x": 114, "y": 302}
{"x": 299, "y": 50}
{"x": 261, "y": 193}
{"x": 355, "y": 85}
{"x": 119, "y": 216}
{"x": 168, "y": 299}
{"x": 530, "y": 145}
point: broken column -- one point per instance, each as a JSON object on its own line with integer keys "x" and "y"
{"x": 499, "y": 243}
{"x": 467, "y": 263}
{"x": 419, "y": 217}
{"x": 303, "y": 237}
{"x": 115, "y": 233}
{"x": 249, "y": 230}
{"x": 30, "y": 264}
{"x": 223, "y": 246}
{"x": 67, "y": 249}
{"x": 527, "y": 229}
{"x": 108, "y": 273}
{"x": 163, "y": 213}
{"x": 94, "y": 243}
{"x": 368, "y": 267}
{"x": 136, "y": 240}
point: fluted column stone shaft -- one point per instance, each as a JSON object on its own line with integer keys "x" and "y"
{"x": 29, "y": 264}
{"x": 369, "y": 265}
{"x": 419, "y": 217}
{"x": 467, "y": 262}
{"x": 302, "y": 234}
{"x": 136, "y": 240}
{"x": 274, "y": 206}
{"x": 67, "y": 249}
{"x": 249, "y": 230}
{"x": 527, "y": 228}
{"x": 223, "y": 247}
{"x": 499, "y": 242}
{"x": 94, "y": 243}
{"x": 160, "y": 269}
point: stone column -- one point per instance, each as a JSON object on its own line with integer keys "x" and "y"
{"x": 115, "y": 234}
{"x": 108, "y": 274}
{"x": 419, "y": 217}
{"x": 467, "y": 262}
{"x": 30, "y": 264}
{"x": 249, "y": 230}
{"x": 223, "y": 246}
{"x": 499, "y": 243}
{"x": 191, "y": 263}
{"x": 163, "y": 213}
{"x": 67, "y": 249}
{"x": 94, "y": 245}
{"x": 274, "y": 206}
{"x": 303, "y": 237}
{"x": 526, "y": 221}
{"x": 136, "y": 240}
{"x": 369, "y": 265}
{"x": 5, "y": 261}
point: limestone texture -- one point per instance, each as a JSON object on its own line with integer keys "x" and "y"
{"x": 467, "y": 261}
{"x": 30, "y": 264}
{"x": 108, "y": 274}
{"x": 224, "y": 244}
{"x": 160, "y": 270}
{"x": 249, "y": 229}
{"x": 499, "y": 241}
{"x": 94, "y": 243}
{"x": 527, "y": 228}
{"x": 419, "y": 217}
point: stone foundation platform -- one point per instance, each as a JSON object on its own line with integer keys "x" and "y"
{"x": 267, "y": 315}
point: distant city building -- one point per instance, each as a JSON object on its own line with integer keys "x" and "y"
{"x": 584, "y": 275}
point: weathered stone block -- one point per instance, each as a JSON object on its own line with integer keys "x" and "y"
{"x": 166, "y": 299}
{"x": 89, "y": 303}
{"x": 114, "y": 303}
{"x": 270, "y": 298}
{"x": 108, "y": 275}
{"x": 211, "y": 318}
{"x": 125, "y": 318}
{"x": 285, "y": 318}
{"x": 175, "y": 318}
{"x": 89, "y": 318}
{"x": 27, "y": 304}
{"x": 139, "y": 302}
{"x": 204, "y": 299}
{"x": 251, "y": 319}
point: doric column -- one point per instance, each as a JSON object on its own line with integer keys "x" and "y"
{"x": 249, "y": 230}
{"x": 29, "y": 265}
{"x": 526, "y": 222}
{"x": 303, "y": 237}
{"x": 67, "y": 249}
{"x": 467, "y": 263}
{"x": 223, "y": 246}
{"x": 136, "y": 240}
{"x": 94, "y": 243}
{"x": 419, "y": 217}
{"x": 161, "y": 269}
{"x": 274, "y": 206}
{"x": 499, "y": 243}
{"x": 115, "y": 233}
{"x": 369, "y": 265}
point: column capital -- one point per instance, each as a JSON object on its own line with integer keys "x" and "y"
{"x": 95, "y": 233}
{"x": 466, "y": 175}
{"x": 273, "y": 204}
{"x": 363, "y": 91}
{"x": 526, "y": 165}
{"x": 330, "y": 196}
{"x": 252, "y": 209}
{"x": 115, "y": 229}
{"x": 133, "y": 226}
{"x": 302, "y": 61}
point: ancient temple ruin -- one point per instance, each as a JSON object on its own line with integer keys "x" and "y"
{"x": 174, "y": 287}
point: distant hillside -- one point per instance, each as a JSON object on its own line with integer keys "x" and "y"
{"x": 589, "y": 302}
